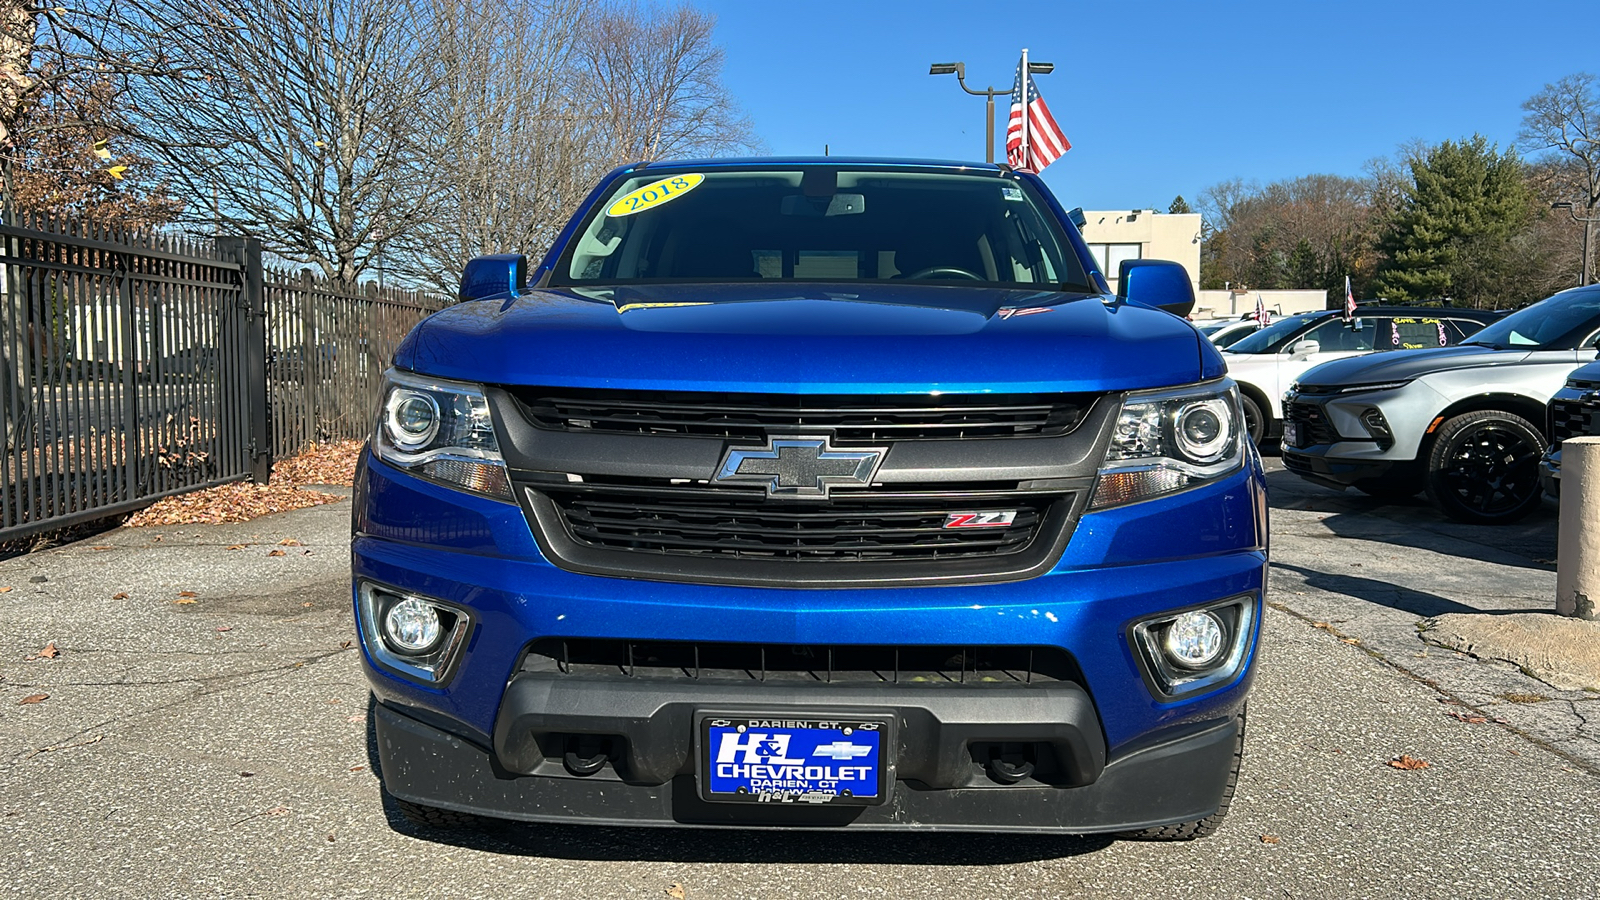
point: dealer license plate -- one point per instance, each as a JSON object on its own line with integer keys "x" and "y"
{"x": 761, "y": 759}
{"x": 1291, "y": 434}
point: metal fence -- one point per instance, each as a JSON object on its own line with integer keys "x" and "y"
{"x": 137, "y": 366}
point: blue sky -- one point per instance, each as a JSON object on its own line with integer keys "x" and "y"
{"x": 1158, "y": 98}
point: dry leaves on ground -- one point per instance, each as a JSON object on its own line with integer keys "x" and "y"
{"x": 32, "y": 699}
{"x": 49, "y": 652}
{"x": 1408, "y": 762}
{"x": 276, "y": 553}
{"x": 676, "y": 892}
{"x": 1269, "y": 839}
{"x": 333, "y": 463}
{"x": 120, "y": 595}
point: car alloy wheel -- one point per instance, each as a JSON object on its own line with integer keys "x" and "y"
{"x": 1484, "y": 468}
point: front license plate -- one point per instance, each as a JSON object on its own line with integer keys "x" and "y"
{"x": 1291, "y": 434}
{"x": 760, "y": 759}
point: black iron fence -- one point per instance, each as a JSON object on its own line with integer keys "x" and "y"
{"x": 136, "y": 366}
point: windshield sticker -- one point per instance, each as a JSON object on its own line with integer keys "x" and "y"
{"x": 1012, "y": 193}
{"x": 655, "y": 194}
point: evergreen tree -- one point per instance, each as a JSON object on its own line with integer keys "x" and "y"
{"x": 1460, "y": 228}
{"x": 1179, "y": 206}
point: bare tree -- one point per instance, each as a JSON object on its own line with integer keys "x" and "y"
{"x": 294, "y": 122}
{"x": 1564, "y": 120}
{"x": 653, "y": 76}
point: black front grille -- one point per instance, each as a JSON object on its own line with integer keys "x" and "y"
{"x": 746, "y": 525}
{"x": 1311, "y": 424}
{"x": 1573, "y": 418}
{"x": 813, "y": 663}
{"x": 849, "y": 419}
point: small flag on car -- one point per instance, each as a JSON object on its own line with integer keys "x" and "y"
{"x": 1263, "y": 316}
{"x": 1349, "y": 300}
{"x": 1033, "y": 139}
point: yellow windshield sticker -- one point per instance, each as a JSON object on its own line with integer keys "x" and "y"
{"x": 655, "y": 194}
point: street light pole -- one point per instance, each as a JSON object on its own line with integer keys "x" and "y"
{"x": 959, "y": 69}
{"x": 1588, "y": 235}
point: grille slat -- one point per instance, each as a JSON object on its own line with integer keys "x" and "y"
{"x": 848, "y": 419}
{"x": 856, "y": 529}
{"x": 1572, "y": 418}
{"x": 820, "y": 664}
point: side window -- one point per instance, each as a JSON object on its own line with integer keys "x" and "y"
{"x": 1334, "y": 336}
{"x": 1417, "y": 332}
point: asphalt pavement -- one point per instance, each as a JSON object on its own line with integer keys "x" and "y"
{"x": 206, "y": 733}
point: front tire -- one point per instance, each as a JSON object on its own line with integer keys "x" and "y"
{"x": 1188, "y": 831}
{"x": 1255, "y": 422}
{"x": 1484, "y": 468}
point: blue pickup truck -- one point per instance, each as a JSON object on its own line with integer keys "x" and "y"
{"x": 813, "y": 494}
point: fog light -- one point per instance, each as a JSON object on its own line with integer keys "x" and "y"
{"x": 412, "y": 626}
{"x": 1194, "y": 640}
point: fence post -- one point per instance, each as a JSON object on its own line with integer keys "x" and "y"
{"x": 252, "y": 301}
{"x": 1577, "y": 535}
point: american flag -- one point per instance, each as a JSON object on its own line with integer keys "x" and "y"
{"x": 1263, "y": 317}
{"x": 1349, "y": 300}
{"x": 1045, "y": 141}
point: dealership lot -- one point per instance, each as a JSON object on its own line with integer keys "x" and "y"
{"x": 221, "y": 746}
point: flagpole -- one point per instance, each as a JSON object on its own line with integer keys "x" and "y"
{"x": 1022, "y": 84}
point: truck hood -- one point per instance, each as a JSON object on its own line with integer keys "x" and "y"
{"x": 1404, "y": 365}
{"x": 788, "y": 338}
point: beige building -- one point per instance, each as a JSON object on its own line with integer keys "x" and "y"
{"x": 1116, "y": 235}
{"x": 1233, "y": 304}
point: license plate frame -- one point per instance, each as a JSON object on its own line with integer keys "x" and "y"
{"x": 826, "y": 732}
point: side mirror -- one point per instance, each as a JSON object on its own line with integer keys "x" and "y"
{"x": 1156, "y": 283}
{"x": 501, "y": 273}
{"x": 1304, "y": 349}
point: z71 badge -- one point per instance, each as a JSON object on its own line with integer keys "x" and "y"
{"x": 997, "y": 519}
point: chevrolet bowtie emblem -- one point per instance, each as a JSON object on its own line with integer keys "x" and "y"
{"x": 799, "y": 467}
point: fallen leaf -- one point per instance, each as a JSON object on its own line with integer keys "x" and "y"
{"x": 224, "y": 627}
{"x": 1319, "y": 624}
{"x": 120, "y": 595}
{"x": 346, "y": 645}
{"x": 357, "y": 768}
{"x": 33, "y": 698}
{"x": 247, "y": 774}
{"x": 1469, "y": 719}
{"x": 1408, "y": 762}
{"x": 275, "y": 553}
{"x": 307, "y": 604}
{"x": 278, "y": 811}
{"x": 49, "y": 651}
{"x": 330, "y": 837}
{"x": 1269, "y": 839}
{"x": 676, "y": 892}
{"x": 102, "y": 548}
{"x": 290, "y": 542}
{"x": 1350, "y": 640}
{"x": 236, "y": 546}
{"x": 187, "y": 594}
{"x": 184, "y": 601}
{"x": 5, "y": 590}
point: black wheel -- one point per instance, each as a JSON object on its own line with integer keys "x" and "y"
{"x": 1255, "y": 422}
{"x": 1188, "y": 831}
{"x": 1484, "y": 468}
{"x": 434, "y": 817}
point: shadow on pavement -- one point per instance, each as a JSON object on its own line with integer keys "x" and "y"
{"x": 602, "y": 843}
{"x": 1385, "y": 593}
{"x": 1413, "y": 522}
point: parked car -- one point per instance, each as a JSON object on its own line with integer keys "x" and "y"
{"x": 1465, "y": 424}
{"x": 1266, "y": 362}
{"x": 835, "y": 494}
{"x": 1226, "y": 332}
{"x": 1574, "y": 411}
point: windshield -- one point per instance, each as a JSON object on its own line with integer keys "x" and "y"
{"x": 822, "y": 223}
{"x": 1265, "y": 340}
{"x": 1556, "y": 323}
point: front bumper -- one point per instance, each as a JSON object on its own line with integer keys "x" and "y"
{"x": 1315, "y": 465}
{"x": 1550, "y": 472}
{"x": 1179, "y": 780}
{"x": 470, "y": 743}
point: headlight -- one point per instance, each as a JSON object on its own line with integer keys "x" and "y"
{"x": 442, "y": 431}
{"x": 1170, "y": 440}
